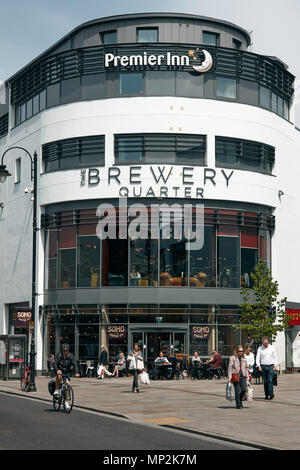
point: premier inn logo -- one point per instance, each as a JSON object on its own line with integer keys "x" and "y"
{"x": 191, "y": 59}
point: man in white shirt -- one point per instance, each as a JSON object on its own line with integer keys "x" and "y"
{"x": 267, "y": 362}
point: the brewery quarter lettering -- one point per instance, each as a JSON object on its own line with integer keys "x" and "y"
{"x": 159, "y": 180}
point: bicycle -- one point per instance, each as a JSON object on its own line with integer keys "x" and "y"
{"x": 26, "y": 379}
{"x": 66, "y": 396}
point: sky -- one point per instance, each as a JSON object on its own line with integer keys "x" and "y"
{"x": 29, "y": 27}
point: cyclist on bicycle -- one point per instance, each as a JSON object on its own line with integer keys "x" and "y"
{"x": 63, "y": 363}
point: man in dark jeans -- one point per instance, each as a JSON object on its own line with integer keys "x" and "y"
{"x": 267, "y": 362}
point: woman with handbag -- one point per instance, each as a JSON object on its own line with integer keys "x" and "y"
{"x": 237, "y": 374}
{"x": 136, "y": 365}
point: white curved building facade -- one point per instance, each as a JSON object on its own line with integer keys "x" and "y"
{"x": 153, "y": 133}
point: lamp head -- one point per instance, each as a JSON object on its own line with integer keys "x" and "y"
{"x": 3, "y": 173}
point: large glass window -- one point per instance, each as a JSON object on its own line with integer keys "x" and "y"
{"x": 236, "y": 44}
{"x": 51, "y": 259}
{"x": 88, "y": 257}
{"x": 161, "y": 148}
{"x": 228, "y": 338}
{"x": 128, "y": 149}
{"x": 131, "y": 83}
{"x": 88, "y": 341}
{"x": 109, "y": 37}
{"x": 210, "y": 39}
{"x": 280, "y": 106}
{"x": 114, "y": 262}
{"x": 226, "y": 88}
{"x": 227, "y": 256}
{"x": 249, "y": 254}
{"x": 143, "y": 262}
{"x": 74, "y": 153}
{"x": 265, "y": 247}
{"x": 173, "y": 261}
{"x": 244, "y": 154}
{"x": 202, "y": 262}
{"x": 147, "y": 34}
{"x": 67, "y": 257}
{"x": 75, "y": 255}
{"x": 159, "y": 84}
{"x": 264, "y": 97}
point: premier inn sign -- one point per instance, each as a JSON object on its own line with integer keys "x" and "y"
{"x": 168, "y": 59}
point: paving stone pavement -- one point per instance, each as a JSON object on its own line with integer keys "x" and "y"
{"x": 192, "y": 405}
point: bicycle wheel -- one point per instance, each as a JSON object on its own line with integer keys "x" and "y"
{"x": 56, "y": 402}
{"x": 28, "y": 381}
{"x": 68, "y": 398}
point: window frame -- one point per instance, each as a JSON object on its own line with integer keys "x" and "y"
{"x": 142, "y": 93}
{"x": 211, "y": 33}
{"x": 226, "y": 98}
{"x": 103, "y": 33}
{"x": 160, "y": 136}
{"x": 149, "y": 28}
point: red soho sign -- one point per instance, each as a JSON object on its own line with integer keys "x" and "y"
{"x": 115, "y": 331}
{"x": 22, "y": 318}
{"x": 294, "y": 314}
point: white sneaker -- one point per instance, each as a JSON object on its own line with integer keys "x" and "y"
{"x": 56, "y": 393}
{"x": 67, "y": 406}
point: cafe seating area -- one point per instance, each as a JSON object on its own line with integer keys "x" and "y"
{"x": 199, "y": 280}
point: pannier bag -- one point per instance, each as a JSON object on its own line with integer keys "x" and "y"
{"x": 51, "y": 386}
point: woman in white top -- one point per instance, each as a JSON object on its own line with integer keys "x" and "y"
{"x": 249, "y": 356}
{"x": 121, "y": 365}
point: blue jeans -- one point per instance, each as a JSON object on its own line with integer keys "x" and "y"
{"x": 240, "y": 390}
{"x": 267, "y": 373}
{"x": 135, "y": 374}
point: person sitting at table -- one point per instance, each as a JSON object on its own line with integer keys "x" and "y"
{"x": 196, "y": 363}
{"x": 120, "y": 366}
{"x": 174, "y": 369}
{"x": 215, "y": 363}
{"x": 160, "y": 366}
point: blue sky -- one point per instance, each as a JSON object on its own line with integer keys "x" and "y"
{"x": 28, "y": 27}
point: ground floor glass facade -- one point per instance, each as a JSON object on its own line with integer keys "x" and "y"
{"x": 183, "y": 329}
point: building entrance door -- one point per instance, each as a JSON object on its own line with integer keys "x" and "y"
{"x": 152, "y": 341}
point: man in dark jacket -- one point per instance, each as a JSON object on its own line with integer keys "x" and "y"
{"x": 103, "y": 360}
{"x": 63, "y": 364}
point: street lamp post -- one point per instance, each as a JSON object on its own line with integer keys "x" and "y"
{"x": 4, "y": 173}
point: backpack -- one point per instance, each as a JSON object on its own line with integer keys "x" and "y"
{"x": 51, "y": 386}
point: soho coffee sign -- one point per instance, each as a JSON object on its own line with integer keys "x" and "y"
{"x": 168, "y": 59}
{"x": 200, "y": 332}
{"x": 116, "y": 332}
{"x": 22, "y": 318}
{"x": 156, "y": 181}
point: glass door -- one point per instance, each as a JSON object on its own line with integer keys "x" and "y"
{"x": 16, "y": 356}
{"x": 178, "y": 343}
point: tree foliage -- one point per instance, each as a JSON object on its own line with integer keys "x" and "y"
{"x": 262, "y": 314}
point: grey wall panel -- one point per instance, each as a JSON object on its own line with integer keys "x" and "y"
{"x": 70, "y": 90}
{"x": 112, "y": 84}
{"x": 140, "y": 295}
{"x": 158, "y": 84}
{"x": 93, "y": 86}
{"x": 53, "y": 95}
{"x": 209, "y": 87}
{"x": 63, "y": 47}
{"x": 248, "y": 92}
{"x": 189, "y": 85}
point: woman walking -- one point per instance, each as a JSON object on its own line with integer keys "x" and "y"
{"x": 237, "y": 374}
{"x": 250, "y": 359}
{"x": 136, "y": 365}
